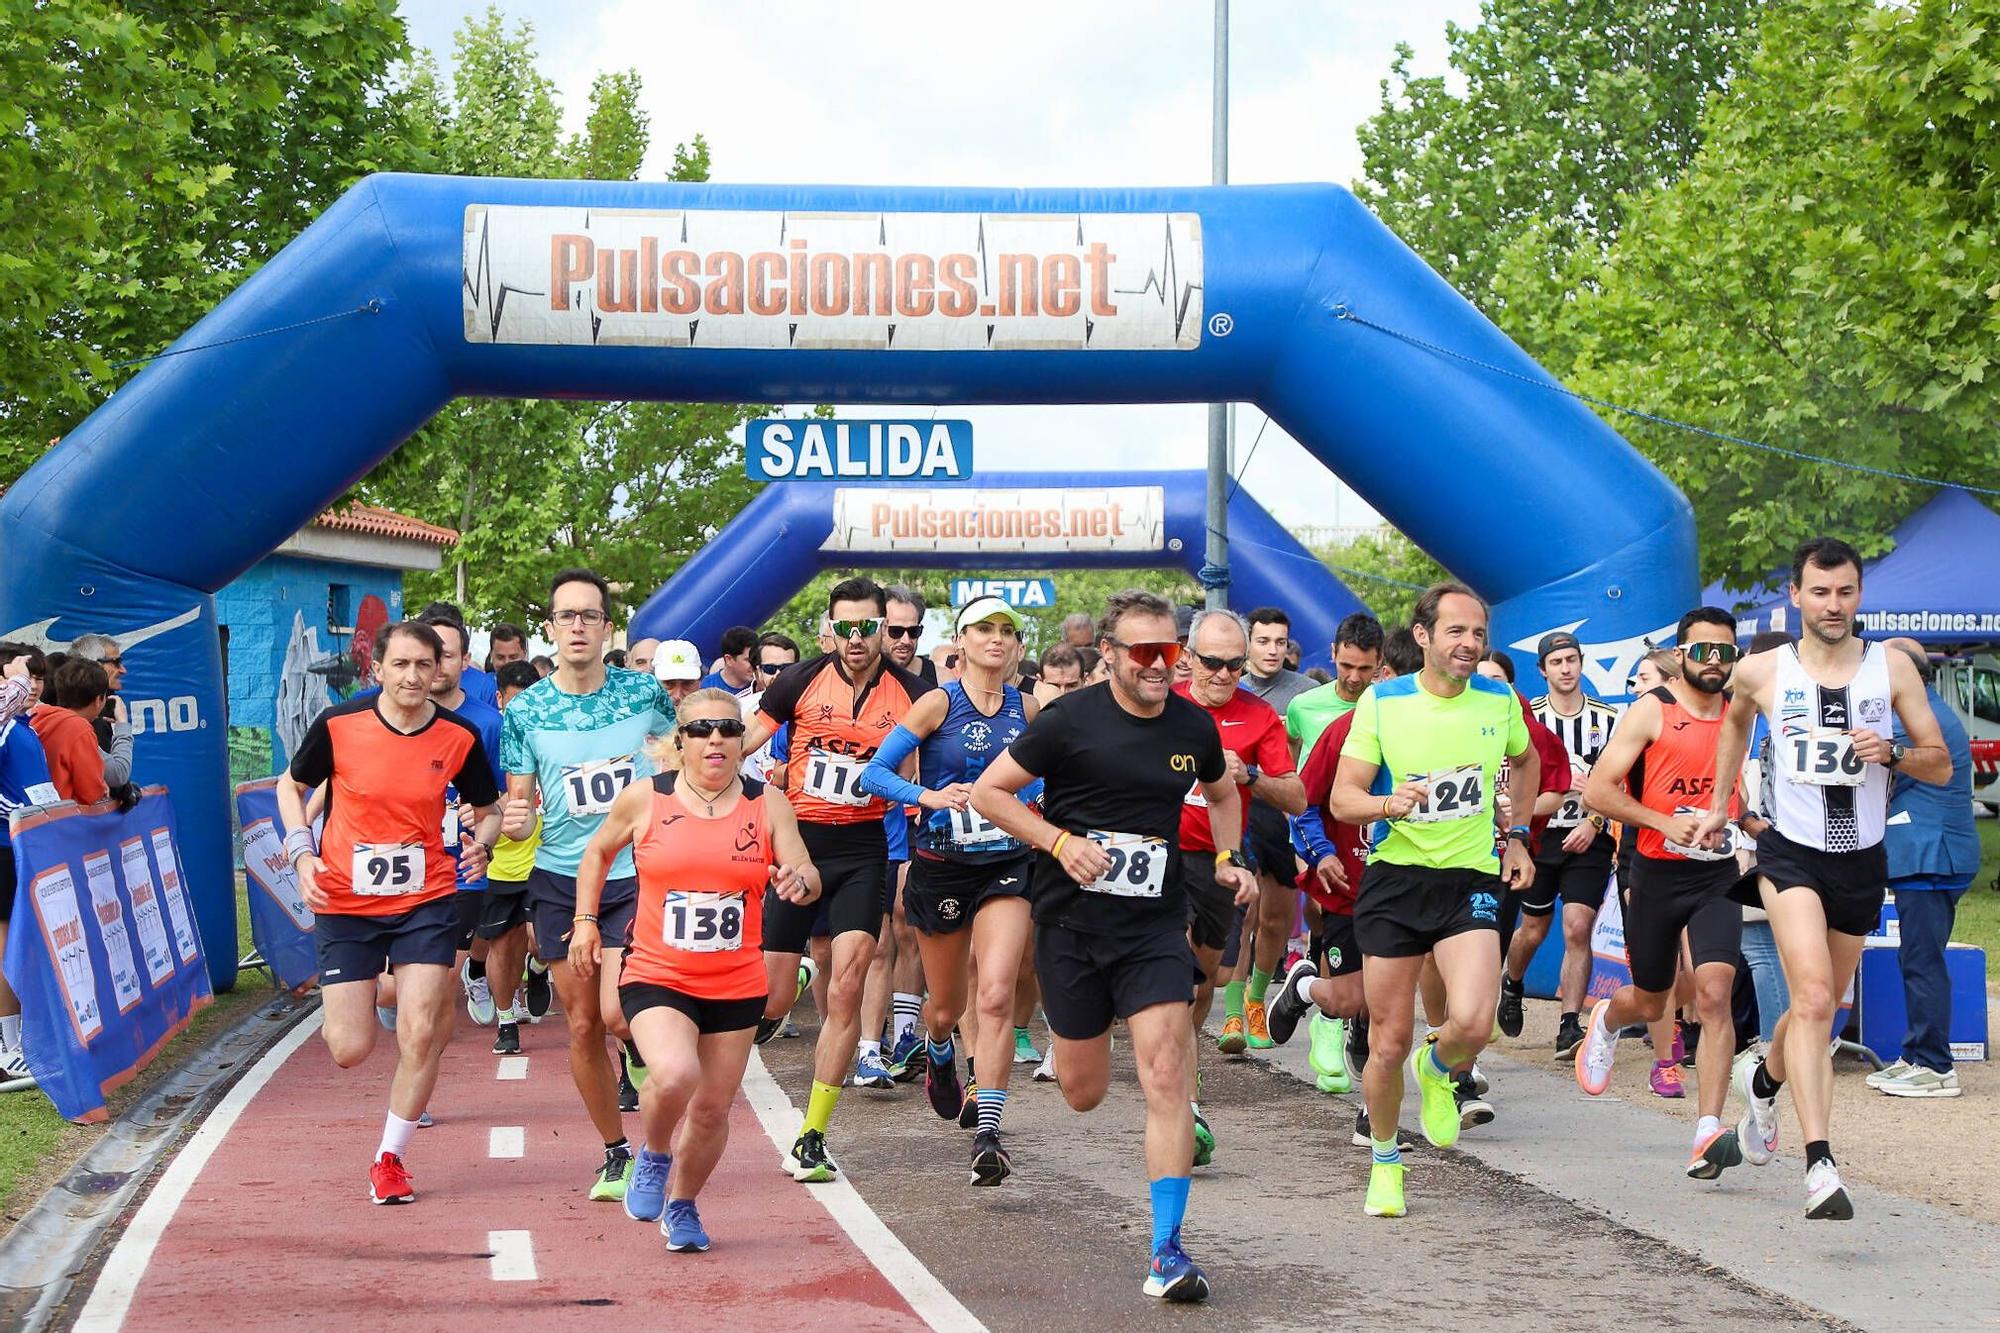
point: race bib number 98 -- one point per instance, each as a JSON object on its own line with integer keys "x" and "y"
{"x": 1821, "y": 757}
{"x": 591, "y": 788}
{"x": 702, "y": 922}
{"x": 1138, "y": 865}
{"x": 832, "y": 779}
{"x": 1455, "y": 793}
{"x": 387, "y": 869}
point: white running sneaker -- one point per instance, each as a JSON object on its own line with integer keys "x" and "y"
{"x": 1918, "y": 1081}
{"x": 1757, "y": 1131}
{"x": 478, "y": 995}
{"x": 1887, "y": 1074}
{"x": 1594, "y": 1053}
{"x": 14, "y": 1067}
{"x": 1045, "y": 1072}
{"x": 1826, "y": 1197}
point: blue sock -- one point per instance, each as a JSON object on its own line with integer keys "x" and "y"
{"x": 1170, "y": 1196}
{"x": 992, "y": 1101}
{"x": 1389, "y": 1152}
{"x": 1438, "y": 1066}
{"x": 940, "y": 1054}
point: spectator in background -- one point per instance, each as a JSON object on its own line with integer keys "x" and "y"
{"x": 77, "y": 690}
{"x": 678, "y": 667}
{"x": 639, "y": 655}
{"x": 1933, "y": 857}
{"x": 1294, "y": 654}
{"x": 507, "y": 644}
{"x": 902, "y": 626}
{"x": 1079, "y": 630}
{"x": 113, "y": 726}
{"x": 615, "y": 658}
{"x": 544, "y": 665}
{"x": 1062, "y": 672}
{"x": 25, "y": 663}
{"x": 1096, "y": 671}
{"x": 24, "y": 781}
{"x": 735, "y": 671}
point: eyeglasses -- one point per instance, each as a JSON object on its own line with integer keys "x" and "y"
{"x": 848, "y": 629}
{"x": 772, "y": 668}
{"x": 703, "y": 727}
{"x": 1713, "y": 652}
{"x": 578, "y": 617}
{"x": 903, "y": 631}
{"x": 1221, "y": 663}
{"x": 1145, "y": 655}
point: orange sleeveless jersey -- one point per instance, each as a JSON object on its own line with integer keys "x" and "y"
{"x": 831, "y": 738}
{"x": 700, "y": 921}
{"x": 1679, "y": 769}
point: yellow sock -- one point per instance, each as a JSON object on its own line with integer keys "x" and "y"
{"x": 819, "y": 1110}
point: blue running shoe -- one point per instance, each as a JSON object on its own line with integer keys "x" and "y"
{"x": 682, "y": 1228}
{"x": 909, "y": 1059}
{"x": 646, "y": 1189}
{"x": 870, "y": 1072}
{"x": 1175, "y": 1277}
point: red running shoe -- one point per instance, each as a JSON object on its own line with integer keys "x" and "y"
{"x": 389, "y": 1181}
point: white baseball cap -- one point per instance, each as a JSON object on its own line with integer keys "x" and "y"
{"x": 677, "y": 659}
{"x": 985, "y": 608}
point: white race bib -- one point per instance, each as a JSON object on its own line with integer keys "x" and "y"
{"x": 1725, "y": 852}
{"x": 1138, "y": 865}
{"x": 702, "y": 922}
{"x": 452, "y": 835}
{"x": 1454, "y": 793}
{"x": 1820, "y": 757}
{"x": 387, "y": 869}
{"x": 834, "y": 779}
{"x": 591, "y": 788}
{"x": 969, "y": 828}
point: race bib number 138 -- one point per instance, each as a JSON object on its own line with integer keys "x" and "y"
{"x": 702, "y": 922}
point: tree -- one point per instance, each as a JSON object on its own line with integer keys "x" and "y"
{"x": 151, "y": 158}
{"x": 1386, "y": 570}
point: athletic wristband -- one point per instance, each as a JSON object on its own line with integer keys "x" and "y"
{"x": 298, "y": 842}
{"x": 584, "y": 916}
{"x": 1055, "y": 848}
{"x": 1519, "y": 831}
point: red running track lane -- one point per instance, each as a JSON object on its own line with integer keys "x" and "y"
{"x": 278, "y": 1227}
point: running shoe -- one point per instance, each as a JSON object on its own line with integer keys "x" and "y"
{"x": 1233, "y": 1039}
{"x": 1282, "y": 1018}
{"x": 389, "y": 1182}
{"x": 521, "y": 1005}
{"x": 1480, "y": 1086}
{"x": 968, "y": 1110}
{"x": 646, "y": 1189}
{"x": 1024, "y": 1048}
{"x": 1919, "y": 1081}
{"x": 1826, "y": 1197}
{"x": 1569, "y": 1036}
{"x": 942, "y": 1087}
{"x": 1204, "y": 1140}
{"x": 1173, "y": 1276}
{"x": 1715, "y": 1154}
{"x": 1594, "y": 1053}
{"x": 1357, "y": 1046}
{"x": 1473, "y": 1108}
{"x": 682, "y": 1228}
{"x": 790, "y": 1029}
{"x": 478, "y": 995}
{"x": 870, "y": 1072}
{"x": 1385, "y": 1190}
{"x": 809, "y": 1161}
{"x": 608, "y": 1185}
{"x": 1680, "y": 1051}
{"x": 1888, "y": 1073}
{"x": 1757, "y": 1131}
{"x": 424, "y": 1120}
{"x": 1327, "y": 1053}
{"x": 1045, "y": 1072}
{"x": 1666, "y": 1079}
{"x": 1363, "y": 1136}
{"x": 1259, "y": 1028}
{"x": 628, "y": 1096}
{"x": 907, "y": 1059}
{"x": 635, "y": 1068}
{"x": 1438, "y": 1104}
{"x": 767, "y": 1028}
{"x": 990, "y": 1162}
{"x": 538, "y": 992}
{"x": 808, "y": 972}
{"x": 507, "y": 1039}
{"x": 386, "y": 1016}
{"x": 1511, "y": 1013}
{"x": 14, "y": 1067}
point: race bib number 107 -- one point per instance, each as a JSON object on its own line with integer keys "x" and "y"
{"x": 591, "y": 788}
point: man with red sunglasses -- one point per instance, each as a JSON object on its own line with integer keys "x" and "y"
{"x": 1110, "y": 904}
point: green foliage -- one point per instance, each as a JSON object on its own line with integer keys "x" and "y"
{"x": 1386, "y": 570}
{"x": 153, "y": 156}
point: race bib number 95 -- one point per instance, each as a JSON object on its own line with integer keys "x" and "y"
{"x": 702, "y": 922}
{"x": 386, "y": 869}
{"x": 1138, "y": 865}
{"x": 591, "y": 788}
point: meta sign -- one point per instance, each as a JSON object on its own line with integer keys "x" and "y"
{"x": 1029, "y": 594}
{"x": 781, "y": 449}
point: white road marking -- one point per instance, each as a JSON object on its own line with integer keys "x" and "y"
{"x": 506, "y": 1141}
{"x": 934, "y": 1304}
{"x": 513, "y": 1067}
{"x": 513, "y": 1256}
{"x": 112, "y": 1297}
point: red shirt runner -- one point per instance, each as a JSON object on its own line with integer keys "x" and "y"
{"x": 1251, "y": 730}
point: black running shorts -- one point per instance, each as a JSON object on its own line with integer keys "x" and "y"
{"x": 708, "y": 1016}
{"x": 1669, "y": 897}
{"x": 1403, "y": 911}
{"x": 943, "y": 896}
{"x": 1851, "y": 885}
{"x": 854, "y": 879}
{"x": 552, "y": 900}
{"x": 1088, "y": 979}
{"x": 1333, "y": 946}
{"x": 1211, "y": 907}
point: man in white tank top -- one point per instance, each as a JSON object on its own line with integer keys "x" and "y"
{"x": 1822, "y": 868}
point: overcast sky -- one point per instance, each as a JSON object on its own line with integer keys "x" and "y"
{"x": 1080, "y": 93}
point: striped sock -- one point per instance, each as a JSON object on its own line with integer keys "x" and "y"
{"x": 905, "y": 1008}
{"x": 1389, "y": 1153}
{"x": 992, "y": 1101}
{"x": 941, "y": 1053}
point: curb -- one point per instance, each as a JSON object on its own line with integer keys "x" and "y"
{"x": 57, "y": 1241}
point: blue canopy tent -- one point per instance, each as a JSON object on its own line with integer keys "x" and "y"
{"x": 1936, "y": 585}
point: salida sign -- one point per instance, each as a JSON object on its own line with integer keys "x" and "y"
{"x": 779, "y": 449}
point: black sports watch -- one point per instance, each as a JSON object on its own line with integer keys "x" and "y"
{"x": 1235, "y": 859}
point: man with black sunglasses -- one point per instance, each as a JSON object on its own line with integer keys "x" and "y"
{"x": 902, "y": 626}
{"x": 773, "y": 653}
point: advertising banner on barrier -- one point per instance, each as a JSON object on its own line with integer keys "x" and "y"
{"x": 102, "y": 949}
{"x": 1608, "y": 966}
{"x": 1087, "y": 518}
{"x": 281, "y": 925}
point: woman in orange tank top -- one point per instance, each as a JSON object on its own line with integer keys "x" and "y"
{"x": 706, "y": 842}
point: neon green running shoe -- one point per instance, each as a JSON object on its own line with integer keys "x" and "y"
{"x": 1204, "y": 1141}
{"x": 1438, "y": 1098}
{"x": 1385, "y": 1190}
{"x": 608, "y": 1185}
{"x": 1327, "y": 1053}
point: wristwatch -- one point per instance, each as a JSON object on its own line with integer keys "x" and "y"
{"x": 1896, "y": 752}
{"x": 1519, "y": 833}
{"x": 1235, "y": 859}
{"x": 1251, "y": 773}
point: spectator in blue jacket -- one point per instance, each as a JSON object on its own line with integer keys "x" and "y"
{"x": 1933, "y": 857}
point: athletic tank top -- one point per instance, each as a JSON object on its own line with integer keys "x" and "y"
{"x": 1822, "y": 796}
{"x": 959, "y": 751}
{"x": 700, "y": 921}
{"x": 1679, "y": 770}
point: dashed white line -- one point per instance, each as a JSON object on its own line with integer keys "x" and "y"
{"x": 506, "y": 1141}
{"x": 513, "y": 1256}
{"x": 511, "y": 1067}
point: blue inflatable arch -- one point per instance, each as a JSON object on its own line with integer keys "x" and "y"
{"x": 413, "y": 290}
{"x": 1082, "y": 520}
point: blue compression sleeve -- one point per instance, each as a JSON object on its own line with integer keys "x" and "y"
{"x": 1311, "y": 830}
{"x": 880, "y": 778}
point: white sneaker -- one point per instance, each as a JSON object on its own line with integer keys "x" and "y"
{"x": 1826, "y": 1197}
{"x": 1594, "y": 1054}
{"x": 1887, "y": 1074}
{"x": 1045, "y": 1072}
{"x": 14, "y": 1067}
{"x": 1757, "y": 1131}
{"x": 1917, "y": 1081}
{"x": 521, "y": 1014}
{"x": 478, "y": 996}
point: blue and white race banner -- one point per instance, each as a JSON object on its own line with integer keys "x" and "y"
{"x": 1028, "y": 594}
{"x": 281, "y": 925}
{"x": 103, "y": 949}
{"x": 817, "y": 449}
